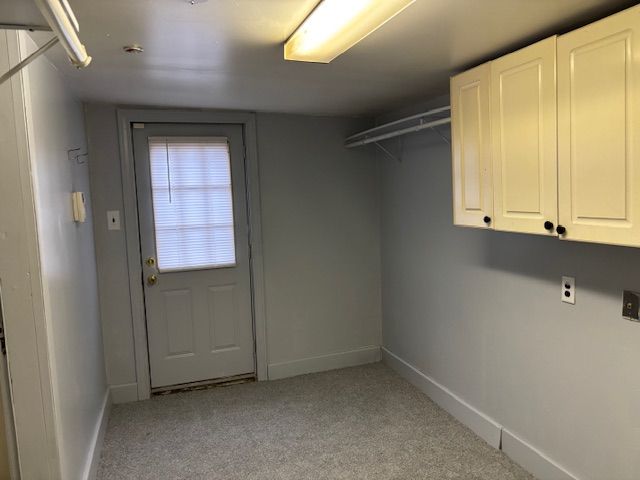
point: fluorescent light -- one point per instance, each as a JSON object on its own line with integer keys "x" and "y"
{"x": 335, "y": 26}
{"x": 70, "y": 14}
{"x": 60, "y": 18}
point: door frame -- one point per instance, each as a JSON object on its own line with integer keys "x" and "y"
{"x": 28, "y": 358}
{"x": 247, "y": 120}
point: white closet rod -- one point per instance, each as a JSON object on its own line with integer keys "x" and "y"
{"x": 397, "y": 133}
{"x": 353, "y": 141}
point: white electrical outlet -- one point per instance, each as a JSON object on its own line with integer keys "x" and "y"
{"x": 569, "y": 290}
{"x": 113, "y": 220}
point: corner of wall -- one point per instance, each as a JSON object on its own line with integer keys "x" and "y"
{"x": 523, "y": 453}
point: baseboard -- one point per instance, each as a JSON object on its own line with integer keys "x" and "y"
{"x": 521, "y": 452}
{"x": 484, "y": 426}
{"x": 533, "y": 460}
{"x": 126, "y": 392}
{"x": 322, "y": 363}
{"x": 93, "y": 459}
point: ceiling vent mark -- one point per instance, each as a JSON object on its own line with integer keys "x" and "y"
{"x": 135, "y": 48}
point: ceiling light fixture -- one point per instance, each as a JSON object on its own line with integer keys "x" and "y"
{"x": 335, "y": 26}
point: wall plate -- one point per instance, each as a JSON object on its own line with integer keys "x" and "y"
{"x": 113, "y": 220}
{"x": 630, "y": 305}
{"x": 569, "y": 290}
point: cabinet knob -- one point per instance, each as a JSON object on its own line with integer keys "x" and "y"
{"x": 548, "y": 225}
{"x": 487, "y": 220}
{"x": 560, "y": 230}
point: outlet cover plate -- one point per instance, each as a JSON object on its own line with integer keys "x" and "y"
{"x": 630, "y": 305}
{"x": 113, "y": 220}
{"x": 569, "y": 290}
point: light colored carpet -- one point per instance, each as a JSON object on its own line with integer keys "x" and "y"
{"x": 356, "y": 423}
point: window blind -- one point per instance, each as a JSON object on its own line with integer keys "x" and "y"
{"x": 192, "y": 202}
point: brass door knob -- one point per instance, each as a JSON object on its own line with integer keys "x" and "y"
{"x": 152, "y": 279}
{"x": 151, "y": 262}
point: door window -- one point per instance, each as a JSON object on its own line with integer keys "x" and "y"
{"x": 192, "y": 202}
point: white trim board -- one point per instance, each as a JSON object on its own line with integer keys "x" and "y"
{"x": 28, "y": 355}
{"x": 483, "y": 426}
{"x": 526, "y": 455}
{"x": 533, "y": 460}
{"x": 321, "y": 363}
{"x": 124, "y": 393}
{"x": 93, "y": 458}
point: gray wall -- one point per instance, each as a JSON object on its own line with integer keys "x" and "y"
{"x": 68, "y": 267}
{"x": 111, "y": 250}
{"x": 320, "y": 220}
{"x": 480, "y": 312}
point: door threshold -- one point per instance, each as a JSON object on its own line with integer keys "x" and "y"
{"x": 205, "y": 384}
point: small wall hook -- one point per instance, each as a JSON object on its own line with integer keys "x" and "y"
{"x": 74, "y": 156}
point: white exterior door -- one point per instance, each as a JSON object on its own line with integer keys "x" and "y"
{"x": 599, "y": 143}
{"x": 523, "y": 127}
{"x": 194, "y": 241}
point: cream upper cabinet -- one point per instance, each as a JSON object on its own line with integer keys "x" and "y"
{"x": 471, "y": 146}
{"x": 524, "y": 147}
{"x": 599, "y": 130}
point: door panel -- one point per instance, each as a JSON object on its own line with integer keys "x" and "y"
{"x": 599, "y": 167}
{"x": 221, "y": 306}
{"x": 473, "y": 197}
{"x": 195, "y": 248}
{"x": 523, "y": 114}
{"x": 177, "y": 318}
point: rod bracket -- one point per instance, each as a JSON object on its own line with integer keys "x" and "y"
{"x": 441, "y": 135}
{"x": 74, "y": 155}
{"x": 23, "y": 63}
{"x": 387, "y": 152}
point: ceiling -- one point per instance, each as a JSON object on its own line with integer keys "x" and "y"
{"x": 228, "y": 53}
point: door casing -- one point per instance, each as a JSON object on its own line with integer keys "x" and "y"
{"x": 126, "y": 120}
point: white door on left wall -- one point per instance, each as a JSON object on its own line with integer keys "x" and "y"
{"x": 194, "y": 238}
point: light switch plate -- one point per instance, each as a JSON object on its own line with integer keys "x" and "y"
{"x": 630, "y": 305}
{"x": 569, "y": 290}
{"x": 113, "y": 220}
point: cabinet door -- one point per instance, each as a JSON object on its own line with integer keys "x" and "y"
{"x": 472, "y": 191}
{"x": 598, "y": 122}
{"x": 523, "y": 125}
